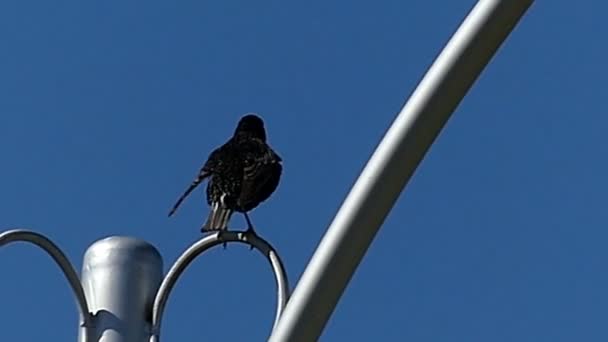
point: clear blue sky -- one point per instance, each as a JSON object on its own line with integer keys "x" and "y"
{"x": 108, "y": 109}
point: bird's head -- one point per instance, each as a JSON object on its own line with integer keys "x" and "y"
{"x": 251, "y": 125}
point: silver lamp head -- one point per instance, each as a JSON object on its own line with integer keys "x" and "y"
{"x": 110, "y": 269}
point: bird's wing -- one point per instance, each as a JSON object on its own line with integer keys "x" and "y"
{"x": 261, "y": 174}
{"x": 256, "y": 156}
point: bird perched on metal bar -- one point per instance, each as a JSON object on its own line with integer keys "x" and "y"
{"x": 242, "y": 173}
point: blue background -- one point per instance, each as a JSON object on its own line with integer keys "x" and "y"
{"x": 108, "y": 109}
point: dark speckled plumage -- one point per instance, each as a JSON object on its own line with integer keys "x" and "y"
{"x": 242, "y": 173}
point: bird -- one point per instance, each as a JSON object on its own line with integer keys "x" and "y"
{"x": 242, "y": 173}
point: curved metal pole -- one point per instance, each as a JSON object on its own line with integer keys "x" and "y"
{"x": 392, "y": 165}
{"x": 201, "y": 246}
{"x": 61, "y": 260}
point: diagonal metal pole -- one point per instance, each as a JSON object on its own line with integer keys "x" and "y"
{"x": 391, "y": 166}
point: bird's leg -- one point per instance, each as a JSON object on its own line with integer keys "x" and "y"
{"x": 250, "y": 229}
{"x": 224, "y": 244}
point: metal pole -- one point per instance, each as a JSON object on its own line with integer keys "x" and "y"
{"x": 120, "y": 277}
{"x": 391, "y": 166}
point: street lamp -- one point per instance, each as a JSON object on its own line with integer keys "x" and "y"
{"x": 122, "y": 277}
{"x": 121, "y": 294}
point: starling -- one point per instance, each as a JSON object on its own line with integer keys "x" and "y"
{"x": 242, "y": 173}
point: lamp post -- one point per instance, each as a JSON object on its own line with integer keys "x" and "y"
{"x": 121, "y": 294}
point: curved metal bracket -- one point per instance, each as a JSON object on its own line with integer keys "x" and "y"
{"x": 60, "y": 259}
{"x": 201, "y": 246}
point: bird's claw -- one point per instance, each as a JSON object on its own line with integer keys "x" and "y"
{"x": 250, "y": 232}
{"x": 220, "y": 236}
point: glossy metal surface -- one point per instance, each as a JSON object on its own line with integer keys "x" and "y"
{"x": 391, "y": 166}
{"x": 201, "y": 246}
{"x": 120, "y": 277}
{"x": 23, "y": 235}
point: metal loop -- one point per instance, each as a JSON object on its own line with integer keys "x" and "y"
{"x": 201, "y": 246}
{"x": 61, "y": 260}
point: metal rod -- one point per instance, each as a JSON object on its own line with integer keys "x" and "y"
{"x": 120, "y": 277}
{"x": 201, "y": 246}
{"x": 23, "y": 235}
{"x": 391, "y": 166}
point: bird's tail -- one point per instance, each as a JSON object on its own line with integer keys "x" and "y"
{"x": 218, "y": 218}
{"x": 201, "y": 176}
